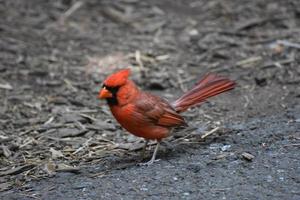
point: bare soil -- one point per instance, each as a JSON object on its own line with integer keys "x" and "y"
{"x": 58, "y": 141}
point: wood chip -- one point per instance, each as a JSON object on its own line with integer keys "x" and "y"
{"x": 67, "y": 168}
{"x": 71, "y": 132}
{"x": 247, "y": 156}
{"x": 221, "y": 156}
{"x": 6, "y": 86}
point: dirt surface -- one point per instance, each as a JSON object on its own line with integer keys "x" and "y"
{"x": 58, "y": 141}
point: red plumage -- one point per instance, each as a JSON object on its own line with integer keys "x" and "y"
{"x": 149, "y": 116}
{"x": 211, "y": 85}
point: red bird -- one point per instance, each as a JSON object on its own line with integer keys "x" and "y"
{"x": 149, "y": 116}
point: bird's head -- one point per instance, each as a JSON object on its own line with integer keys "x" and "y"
{"x": 112, "y": 84}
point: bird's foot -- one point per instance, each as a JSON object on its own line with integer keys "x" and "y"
{"x": 150, "y": 162}
{"x": 153, "y": 160}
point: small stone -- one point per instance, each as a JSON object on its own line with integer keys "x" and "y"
{"x": 193, "y": 32}
{"x": 225, "y": 147}
{"x": 186, "y": 194}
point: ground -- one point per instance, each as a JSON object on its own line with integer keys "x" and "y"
{"x": 58, "y": 141}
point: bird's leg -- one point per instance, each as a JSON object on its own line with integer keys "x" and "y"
{"x": 144, "y": 149}
{"x": 150, "y": 162}
{"x": 154, "y": 153}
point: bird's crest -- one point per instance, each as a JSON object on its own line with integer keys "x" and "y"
{"x": 117, "y": 79}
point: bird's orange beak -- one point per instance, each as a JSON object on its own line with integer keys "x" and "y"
{"x": 104, "y": 94}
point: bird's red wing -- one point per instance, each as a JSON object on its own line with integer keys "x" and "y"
{"x": 158, "y": 111}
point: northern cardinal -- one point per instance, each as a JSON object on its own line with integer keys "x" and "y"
{"x": 152, "y": 117}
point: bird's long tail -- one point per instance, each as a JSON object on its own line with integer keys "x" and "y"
{"x": 211, "y": 85}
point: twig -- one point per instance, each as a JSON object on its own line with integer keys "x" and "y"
{"x": 180, "y": 81}
{"x": 292, "y": 145}
{"x": 255, "y": 22}
{"x": 17, "y": 170}
{"x": 282, "y": 62}
{"x": 247, "y": 101}
{"x": 70, "y": 11}
{"x": 88, "y": 117}
{"x": 67, "y": 139}
{"x": 33, "y": 196}
{"x": 49, "y": 120}
{"x": 84, "y": 145}
{"x": 210, "y": 132}
{"x": 119, "y": 17}
{"x": 30, "y": 141}
{"x": 288, "y": 44}
{"x": 245, "y": 63}
{"x": 139, "y": 60}
{"x": 83, "y": 111}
